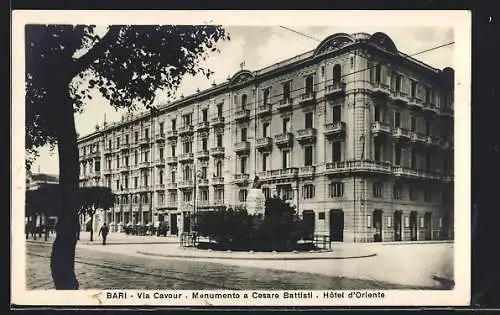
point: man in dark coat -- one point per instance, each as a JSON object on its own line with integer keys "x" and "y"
{"x": 104, "y": 231}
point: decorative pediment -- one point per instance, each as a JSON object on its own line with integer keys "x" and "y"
{"x": 383, "y": 41}
{"x": 241, "y": 77}
{"x": 333, "y": 42}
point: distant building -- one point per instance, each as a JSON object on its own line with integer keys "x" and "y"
{"x": 356, "y": 134}
{"x": 33, "y": 182}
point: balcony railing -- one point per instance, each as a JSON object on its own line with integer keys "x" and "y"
{"x": 171, "y": 186}
{"x": 186, "y": 184}
{"x": 401, "y": 171}
{"x": 203, "y": 182}
{"x": 203, "y": 154}
{"x": 379, "y": 127}
{"x": 335, "y": 129}
{"x": 285, "y": 103}
{"x": 414, "y": 102}
{"x": 307, "y": 170}
{"x": 171, "y": 160}
{"x": 283, "y": 173}
{"x": 335, "y": 89}
{"x": 308, "y": 98}
{"x": 433, "y": 141}
{"x": 185, "y": 130}
{"x": 242, "y": 147}
{"x": 381, "y": 88}
{"x": 145, "y": 164}
{"x": 159, "y": 186}
{"x": 124, "y": 168}
{"x": 217, "y": 151}
{"x": 145, "y": 188}
{"x": 357, "y": 166}
{"x": 160, "y": 137}
{"x": 399, "y": 97}
{"x": 160, "y": 161}
{"x": 264, "y": 143}
{"x": 283, "y": 139}
{"x": 217, "y": 180}
{"x": 241, "y": 178}
{"x": 306, "y": 135}
{"x": 242, "y": 114}
{"x": 172, "y": 134}
{"x": 400, "y": 133}
{"x": 125, "y": 146}
{"x": 186, "y": 157}
{"x": 203, "y": 126}
{"x": 430, "y": 108}
{"x": 145, "y": 140}
{"x": 418, "y": 138}
{"x": 217, "y": 121}
{"x": 265, "y": 109}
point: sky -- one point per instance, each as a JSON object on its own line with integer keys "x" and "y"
{"x": 258, "y": 47}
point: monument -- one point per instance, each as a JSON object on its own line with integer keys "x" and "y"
{"x": 256, "y": 200}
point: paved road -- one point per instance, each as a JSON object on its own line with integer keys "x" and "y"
{"x": 101, "y": 270}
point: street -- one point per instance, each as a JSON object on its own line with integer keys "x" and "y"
{"x": 103, "y": 270}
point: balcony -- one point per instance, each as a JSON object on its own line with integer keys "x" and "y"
{"x": 160, "y": 187}
{"x": 430, "y": 108}
{"x": 144, "y": 164}
{"x": 124, "y": 168}
{"x": 335, "y": 129}
{"x": 307, "y": 171}
{"x": 160, "y": 162}
{"x": 284, "y": 139}
{"x": 306, "y": 135}
{"x": 186, "y": 157}
{"x": 171, "y": 160}
{"x": 307, "y": 98}
{"x": 380, "y": 88}
{"x": 265, "y": 109}
{"x": 107, "y": 171}
{"x": 186, "y": 184}
{"x": 172, "y": 135}
{"x": 283, "y": 174}
{"x": 414, "y": 103}
{"x": 432, "y": 141}
{"x": 145, "y": 188}
{"x": 400, "y": 134}
{"x": 171, "y": 186}
{"x": 401, "y": 171}
{"x": 217, "y": 122}
{"x": 263, "y": 144}
{"x": 357, "y": 166}
{"x": 185, "y": 130}
{"x": 160, "y": 137}
{"x": 418, "y": 138}
{"x": 203, "y": 182}
{"x": 241, "y": 179}
{"x": 203, "y": 154}
{"x": 217, "y": 151}
{"x": 285, "y": 104}
{"x": 380, "y": 128}
{"x": 144, "y": 141}
{"x": 217, "y": 181}
{"x": 243, "y": 114}
{"x": 242, "y": 147}
{"x": 203, "y": 126}
{"x": 399, "y": 97}
{"x": 335, "y": 89}
{"x": 125, "y": 146}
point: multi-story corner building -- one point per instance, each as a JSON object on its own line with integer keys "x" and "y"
{"x": 356, "y": 134}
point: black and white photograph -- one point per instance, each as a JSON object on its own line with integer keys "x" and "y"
{"x": 231, "y": 158}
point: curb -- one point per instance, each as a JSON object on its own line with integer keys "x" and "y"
{"x": 253, "y": 258}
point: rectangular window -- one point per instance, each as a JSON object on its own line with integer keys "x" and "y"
{"x": 427, "y": 195}
{"x": 413, "y": 91}
{"x": 377, "y": 115}
{"x": 160, "y": 151}
{"x": 146, "y": 133}
{"x": 321, "y": 215}
{"x": 397, "y": 154}
{"x": 396, "y": 192}
{"x": 204, "y": 115}
{"x": 378, "y": 190}
{"x": 428, "y": 94}
{"x": 422, "y": 222}
{"x": 243, "y": 195}
{"x": 174, "y": 124}
{"x": 308, "y": 155}
{"x": 136, "y": 136}
{"x": 413, "y": 124}
{"x": 413, "y": 194}
{"x": 161, "y": 128}
{"x": 204, "y": 172}
{"x": 286, "y": 90}
{"x": 336, "y": 189}
{"x": 267, "y": 192}
{"x": 265, "y": 129}
{"x": 285, "y": 192}
{"x": 308, "y": 117}
{"x": 285, "y": 125}
{"x": 109, "y": 146}
{"x": 97, "y": 166}
{"x": 308, "y": 191}
{"x": 204, "y": 144}
{"x": 219, "y": 140}
{"x": 413, "y": 162}
{"x": 407, "y": 221}
{"x": 172, "y": 151}
{"x": 369, "y": 221}
{"x": 427, "y": 128}
{"x": 337, "y": 113}
{"x": 266, "y": 97}
{"x": 136, "y": 182}
{"x": 264, "y": 161}
{"x": 389, "y": 221}
{"x": 399, "y": 80}
{"x": 397, "y": 119}
{"x": 172, "y": 177}
{"x": 285, "y": 159}
{"x": 243, "y": 134}
{"x": 127, "y": 139}
{"x": 186, "y": 119}
{"x": 219, "y": 110}
{"x": 336, "y": 151}
{"x": 117, "y": 142}
{"x": 243, "y": 165}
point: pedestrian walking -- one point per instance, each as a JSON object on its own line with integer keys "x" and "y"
{"x": 104, "y": 231}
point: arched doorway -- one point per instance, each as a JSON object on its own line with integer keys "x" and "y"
{"x": 398, "y": 226}
{"x": 377, "y": 224}
{"x": 309, "y": 223}
{"x": 413, "y": 225}
{"x": 336, "y": 225}
{"x": 337, "y": 74}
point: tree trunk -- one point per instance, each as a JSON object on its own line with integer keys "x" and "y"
{"x": 63, "y": 250}
{"x": 46, "y": 227}
{"x": 92, "y": 226}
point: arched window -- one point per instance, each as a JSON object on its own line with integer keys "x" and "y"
{"x": 218, "y": 169}
{"x": 337, "y": 73}
{"x": 187, "y": 173}
{"x": 243, "y": 101}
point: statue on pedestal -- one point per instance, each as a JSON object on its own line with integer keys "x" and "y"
{"x": 256, "y": 199}
{"x": 256, "y": 183}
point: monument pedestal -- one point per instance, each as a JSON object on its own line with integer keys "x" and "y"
{"x": 256, "y": 201}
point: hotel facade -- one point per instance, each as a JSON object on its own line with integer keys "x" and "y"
{"x": 357, "y": 135}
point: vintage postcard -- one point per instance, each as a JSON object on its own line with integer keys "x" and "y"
{"x": 241, "y": 158}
